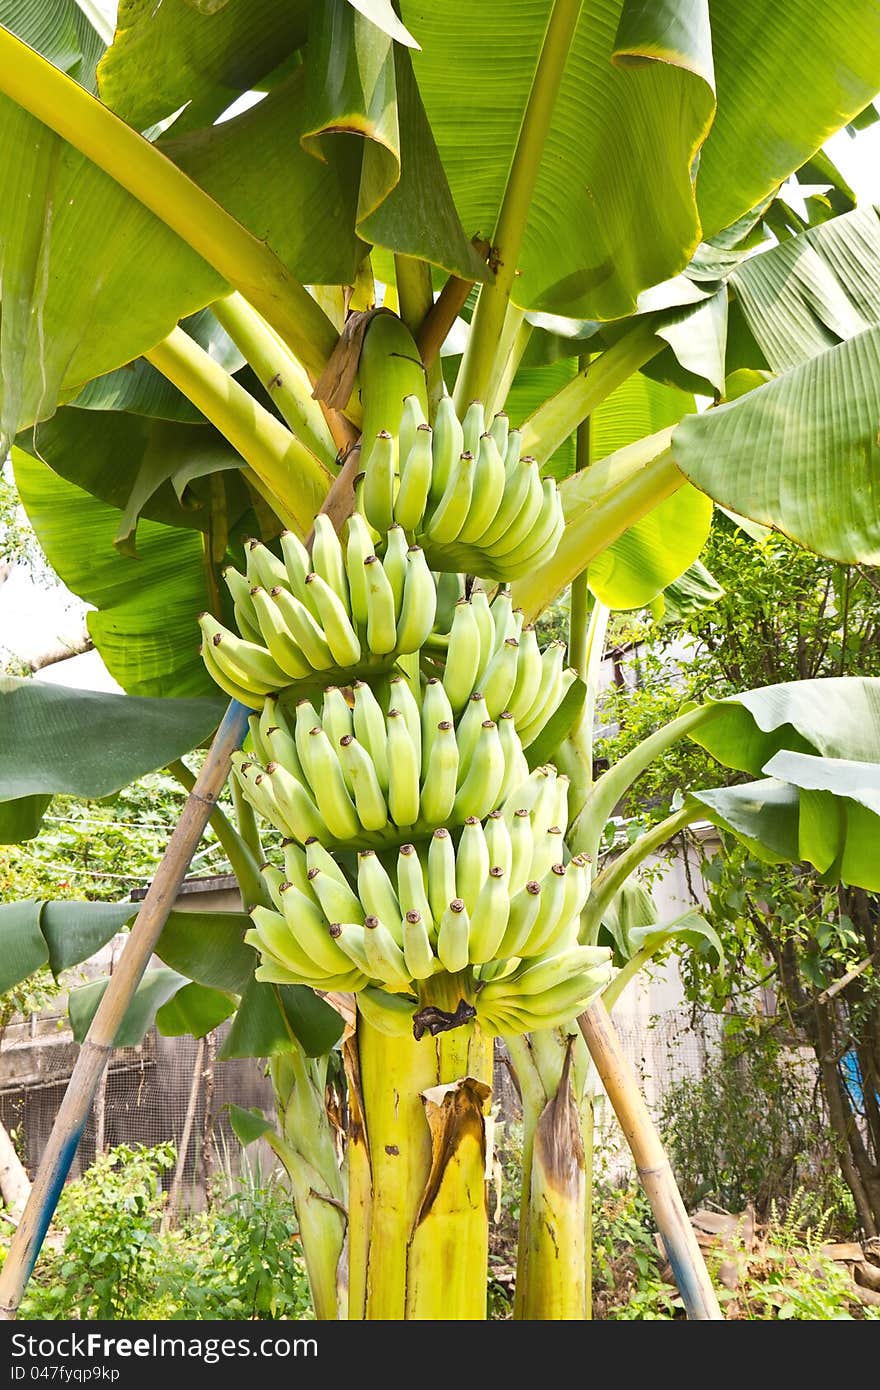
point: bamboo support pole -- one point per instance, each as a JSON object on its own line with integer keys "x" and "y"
{"x": 98, "y": 1045}
{"x": 655, "y": 1173}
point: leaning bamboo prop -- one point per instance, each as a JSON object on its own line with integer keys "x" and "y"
{"x": 99, "y": 1041}
{"x": 655, "y": 1173}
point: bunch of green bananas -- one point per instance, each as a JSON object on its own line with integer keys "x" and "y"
{"x": 463, "y": 491}
{"x": 339, "y": 612}
{"x": 487, "y": 648}
{"x": 356, "y": 774}
{"x": 486, "y": 910}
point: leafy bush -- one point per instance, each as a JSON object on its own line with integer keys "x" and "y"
{"x": 748, "y": 1131}
{"x": 241, "y": 1259}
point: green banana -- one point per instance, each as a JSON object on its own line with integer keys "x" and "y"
{"x": 473, "y": 425}
{"x": 462, "y": 656}
{"x": 478, "y": 793}
{"x": 358, "y": 546}
{"x": 543, "y": 539}
{"x": 521, "y": 849}
{"x": 420, "y": 959}
{"x": 274, "y": 633}
{"x": 440, "y": 776}
{"x": 436, "y": 710}
{"x": 303, "y": 628}
{"x": 231, "y": 687}
{"x": 387, "y": 1013}
{"x": 519, "y": 483}
{"x": 360, "y": 775}
{"x": 317, "y": 857}
{"x": 384, "y": 956}
{"x": 468, "y": 731}
{"x": 328, "y": 787}
{"x": 516, "y": 767}
{"x": 529, "y": 669}
{"x": 471, "y": 862}
{"x": 419, "y": 605}
{"x": 502, "y": 618}
{"x": 451, "y": 511}
{"x": 328, "y": 560}
{"x": 394, "y": 562}
{"x": 499, "y": 430}
{"x": 244, "y": 663}
{"x": 448, "y": 446}
{"x": 296, "y": 869}
{"x": 263, "y": 568}
{"x": 549, "y": 922}
{"x": 341, "y": 637}
{"x": 377, "y": 894}
{"x": 488, "y": 921}
{"x": 273, "y": 879}
{"x": 297, "y": 564}
{"x": 529, "y": 515}
{"x": 525, "y": 904}
{"x": 378, "y": 493}
{"x": 498, "y": 680}
{"x": 403, "y": 772}
{"x": 242, "y": 607}
{"x": 299, "y": 816}
{"x": 486, "y": 624}
{"x": 452, "y": 937}
{"x": 370, "y": 731}
{"x": 338, "y": 902}
{"x": 488, "y": 490}
{"x": 309, "y": 926}
{"x": 441, "y": 872}
{"x": 261, "y": 753}
{"x": 416, "y": 462}
{"x": 381, "y": 613}
{"x": 402, "y": 699}
{"x": 411, "y": 892}
{"x": 549, "y": 693}
{"x": 350, "y": 937}
{"x": 498, "y": 842}
{"x": 306, "y": 718}
{"x": 412, "y": 418}
{"x": 336, "y": 715}
{"x": 548, "y": 851}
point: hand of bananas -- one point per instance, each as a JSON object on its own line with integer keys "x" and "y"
{"x": 496, "y": 910}
{"x": 339, "y": 613}
{"x": 462, "y": 491}
{"x": 360, "y": 774}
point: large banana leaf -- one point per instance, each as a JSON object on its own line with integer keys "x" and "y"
{"x": 169, "y": 475}
{"x": 57, "y": 934}
{"x": 825, "y": 811}
{"x": 268, "y": 1014}
{"x": 815, "y": 290}
{"x": 171, "y": 55}
{"x": 800, "y": 453}
{"x": 54, "y": 739}
{"x": 835, "y": 717}
{"x": 146, "y": 625}
{"x": 614, "y": 210}
{"x": 61, "y": 30}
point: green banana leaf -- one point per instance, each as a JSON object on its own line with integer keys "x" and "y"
{"x": 146, "y": 625}
{"x": 193, "y": 1011}
{"x": 171, "y": 55}
{"x": 154, "y": 990}
{"x": 640, "y": 79}
{"x": 268, "y": 1013}
{"x": 691, "y": 593}
{"x": 208, "y": 948}
{"x": 815, "y": 290}
{"x": 57, "y": 934}
{"x": 834, "y": 717}
{"x": 62, "y": 31}
{"x": 55, "y": 739}
{"x": 825, "y": 811}
{"x": 800, "y": 453}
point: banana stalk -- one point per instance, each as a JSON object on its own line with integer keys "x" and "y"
{"x": 307, "y": 1148}
{"x": 418, "y": 1214}
{"x": 553, "y": 1259}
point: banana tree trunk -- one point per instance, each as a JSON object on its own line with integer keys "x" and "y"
{"x": 554, "y": 1255}
{"x": 418, "y": 1212}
